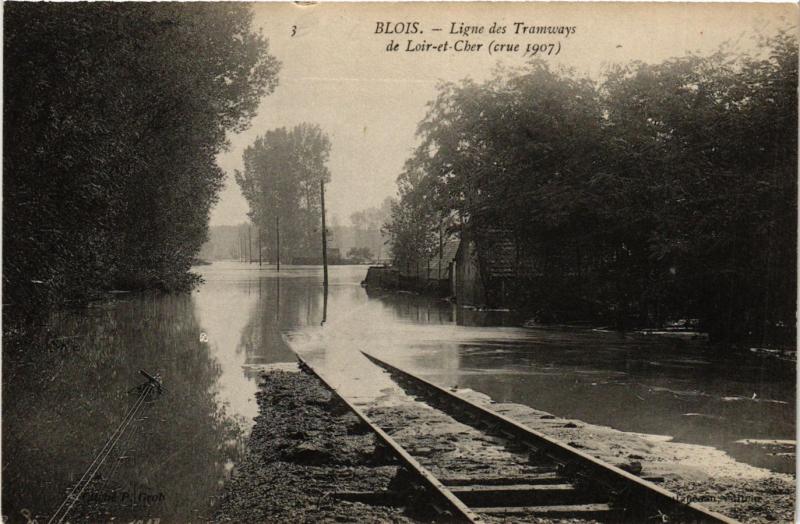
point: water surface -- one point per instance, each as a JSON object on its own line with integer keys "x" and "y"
{"x": 209, "y": 347}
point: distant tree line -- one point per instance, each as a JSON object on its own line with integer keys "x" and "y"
{"x": 113, "y": 117}
{"x": 281, "y": 183}
{"x": 659, "y": 192}
{"x": 359, "y": 255}
{"x": 367, "y": 224}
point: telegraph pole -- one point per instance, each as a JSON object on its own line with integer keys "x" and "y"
{"x": 324, "y": 236}
{"x": 258, "y": 232}
{"x": 278, "y": 239}
{"x": 324, "y": 253}
{"x": 249, "y": 246}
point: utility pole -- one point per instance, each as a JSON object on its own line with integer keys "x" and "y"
{"x": 278, "y": 239}
{"x": 249, "y": 246}
{"x": 324, "y": 237}
{"x": 258, "y": 232}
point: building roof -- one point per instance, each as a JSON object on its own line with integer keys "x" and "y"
{"x": 449, "y": 250}
{"x": 433, "y": 268}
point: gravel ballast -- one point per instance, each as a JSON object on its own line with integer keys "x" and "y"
{"x": 305, "y": 447}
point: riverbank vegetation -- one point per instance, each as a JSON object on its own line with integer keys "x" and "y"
{"x": 661, "y": 191}
{"x": 113, "y": 117}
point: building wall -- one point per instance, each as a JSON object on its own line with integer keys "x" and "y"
{"x": 497, "y": 296}
{"x": 382, "y": 278}
{"x": 469, "y": 286}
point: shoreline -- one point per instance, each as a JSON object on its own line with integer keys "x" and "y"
{"x": 302, "y": 448}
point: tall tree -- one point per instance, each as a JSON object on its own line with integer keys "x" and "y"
{"x": 708, "y": 146}
{"x": 412, "y": 227}
{"x": 665, "y": 191}
{"x": 281, "y": 182}
{"x": 114, "y": 115}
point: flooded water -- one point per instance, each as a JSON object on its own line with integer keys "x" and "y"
{"x": 209, "y": 347}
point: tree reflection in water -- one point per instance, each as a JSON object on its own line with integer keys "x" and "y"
{"x": 272, "y": 313}
{"x": 60, "y": 411}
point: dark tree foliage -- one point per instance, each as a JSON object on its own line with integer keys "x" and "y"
{"x": 714, "y": 168}
{"x": 113, "y": 117}
{"x": 281, "y": 182}
{"x": 412, "y": 225}
{"x": 665, "y": 191}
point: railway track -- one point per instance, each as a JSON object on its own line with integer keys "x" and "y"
{"x": 558, "y": 482}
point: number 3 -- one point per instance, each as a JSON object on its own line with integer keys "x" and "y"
{"x": 294, "y": 30}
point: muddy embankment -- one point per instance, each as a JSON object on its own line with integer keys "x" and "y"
{"x": 305, "y": 447}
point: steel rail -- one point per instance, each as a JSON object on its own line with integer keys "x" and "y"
{"x": 637, "y": 491}
{"x": 458, "y": 511}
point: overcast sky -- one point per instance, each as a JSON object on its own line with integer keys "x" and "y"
{"x": 336, "y": 72}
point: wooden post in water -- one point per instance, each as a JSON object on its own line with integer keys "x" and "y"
{"x": 324, "y": 235}
{"x": 324, "y": 252}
